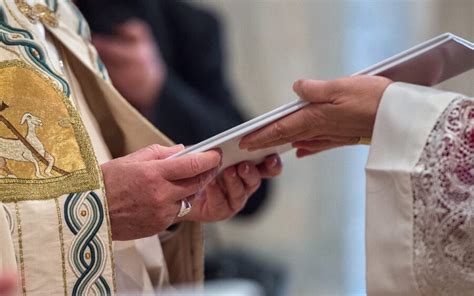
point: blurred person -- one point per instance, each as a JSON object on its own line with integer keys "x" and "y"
{"x": 166, "y": 58}
{"x": 81, "y": 168}
{"x": 420, "y": 175}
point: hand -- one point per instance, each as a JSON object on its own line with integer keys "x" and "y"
{"x": 144, "y": 189}
{"x": 8, "y": 284}
{"x": 133, "y": 61}
{"x": 226, "y": 195}
{"x": 341, "y": 112}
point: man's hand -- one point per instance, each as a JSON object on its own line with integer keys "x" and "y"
{"x": 228, "y": 193}
{"x": 133, "y": 61}
{"x": 144, "y": 189}
{"x": 8, "y": 284}
{"x": 341, "y": 112}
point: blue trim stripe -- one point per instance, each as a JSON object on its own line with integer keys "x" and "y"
{"x": 87, "y": 242}
{"x": 33, "y": 50}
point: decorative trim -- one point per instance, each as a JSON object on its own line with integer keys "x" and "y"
{"x": 25, "y": 25}
{"x": 61, "y": 241}
{"x": 20, "y": 249}
{"x": 84, "y": 215}
{"x": 18, "y": 37}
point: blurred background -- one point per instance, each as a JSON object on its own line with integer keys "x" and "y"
{"x": 304, "y": 235}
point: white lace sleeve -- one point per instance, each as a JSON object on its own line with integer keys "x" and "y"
{"x": 443, "y": 193}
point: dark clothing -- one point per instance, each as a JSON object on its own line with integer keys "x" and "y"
{"x": 195, "y": 102}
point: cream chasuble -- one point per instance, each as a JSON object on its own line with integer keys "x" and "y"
{"x": 420, "y": 194}
{"x": 54, "y": 226}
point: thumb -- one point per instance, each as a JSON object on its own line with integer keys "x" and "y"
{"x": 315, "y": 91}
{"x": 154, "y": 152}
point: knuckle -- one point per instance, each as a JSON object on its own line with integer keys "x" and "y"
{"x": 314, "y": 117}
{"x": 154, "y": 148}
{"x": 194, "y": 165}
{"x": 147, "y": 176}
{"x": 278, "y": 130}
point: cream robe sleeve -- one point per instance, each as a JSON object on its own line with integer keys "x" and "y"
{"x": 420, "y": 194}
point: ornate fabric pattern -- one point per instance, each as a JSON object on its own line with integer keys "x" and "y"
{"x": 443, "y": 188}
{"x": 34, "y": 52}
{"x": 62, "y": 240}
{"x": 42, "y": 138}
{"x": 84, "y": 215}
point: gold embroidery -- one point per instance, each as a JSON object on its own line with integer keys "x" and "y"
{"x": 20, "y": 249}
{"x": 37, "y": 38}
{"x": 38, "y": 12}
{"x": 65, "y": 156}
{"x": 61, "y": 241}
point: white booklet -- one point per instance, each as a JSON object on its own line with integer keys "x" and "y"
{"x": 428, "y": 63}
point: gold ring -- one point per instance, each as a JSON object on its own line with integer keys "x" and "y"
{"x": 364, "y": 141}
{"x": 185, "y": 208}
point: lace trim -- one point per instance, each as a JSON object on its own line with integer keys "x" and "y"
{"x": 443, "y": 190}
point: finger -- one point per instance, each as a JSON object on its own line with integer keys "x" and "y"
{"x": 338, "y": 139}
{"x": 249, "y": 175}
{"x": 216, "y": 197}
{"x": 288, "y": 126}
{"x": 112, "y": 50}
{"x": 318, "y": 145}
{"x": 188, "y": 166}
{"x": 316, "y": 91}
{"x": 300, "y": 153}
{"x": 133, "y": 30}
{"x": 154, "y": 152}
{"x": 271, "y": 167}
{"x": 301, "y": 136}
{"x": 235, "y": 188}
{"x": 191, "y": 186}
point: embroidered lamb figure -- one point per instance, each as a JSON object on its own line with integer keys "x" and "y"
{"x": 12, "y": 149}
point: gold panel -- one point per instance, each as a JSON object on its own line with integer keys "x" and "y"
{"x": 38, "y": 121}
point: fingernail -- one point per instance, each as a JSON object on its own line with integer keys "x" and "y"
{"x": 246, "y": 168}
{"x": 297, "y": 85}
{"x": 275, "y": 162}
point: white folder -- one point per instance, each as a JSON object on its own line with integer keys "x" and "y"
{"x": 428, "y": 63}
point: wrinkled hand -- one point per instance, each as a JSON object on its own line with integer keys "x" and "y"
{"x": 8, "y": 284}
{"x": 133, "y": 61}
{"x": 341, "y": 112}
{"x": 226, "y": 195}
{"x": 144, "y": 189}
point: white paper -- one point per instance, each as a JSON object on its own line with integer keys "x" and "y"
{"x": 446, "y": 55}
